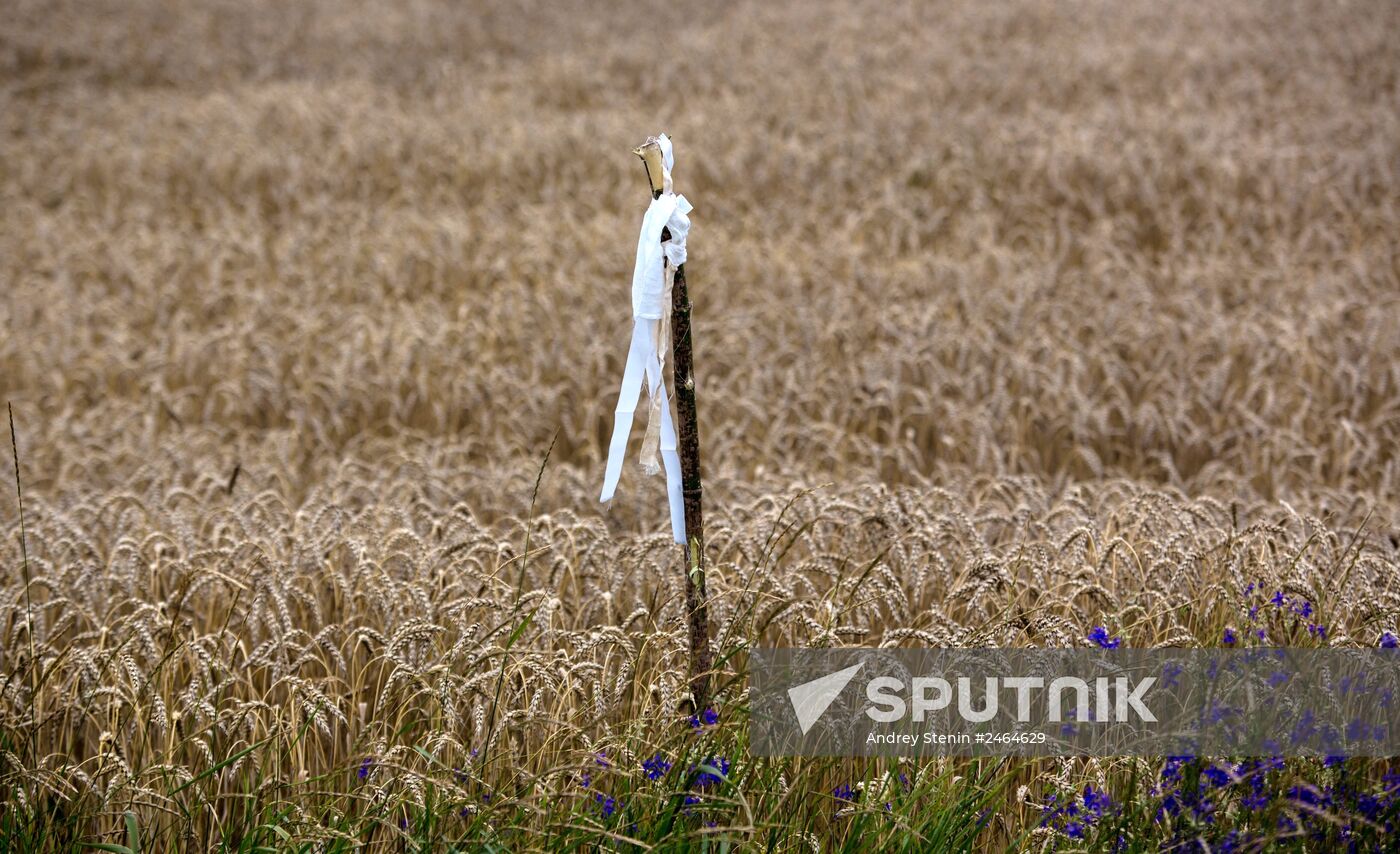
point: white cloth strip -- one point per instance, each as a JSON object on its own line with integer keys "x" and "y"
{"x": 651, "y": 444}
{"x": 650, "y": 293}
{"x": 632, "y": 376}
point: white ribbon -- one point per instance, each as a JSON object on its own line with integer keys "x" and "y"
{"x": 651, "y": 333}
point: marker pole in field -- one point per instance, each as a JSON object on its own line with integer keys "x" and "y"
{"x": 688, "y": 442}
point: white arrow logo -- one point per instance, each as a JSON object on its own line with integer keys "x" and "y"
{"x": 811, "y": 699}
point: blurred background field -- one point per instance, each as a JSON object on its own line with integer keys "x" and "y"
{"x": 1011, "y": 320}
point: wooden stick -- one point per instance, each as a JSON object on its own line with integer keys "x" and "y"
{"x": 688, "y": 446}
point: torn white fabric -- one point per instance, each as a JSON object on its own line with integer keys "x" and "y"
{"x": 651, "y": 443}
{"x": 651, "y": 339}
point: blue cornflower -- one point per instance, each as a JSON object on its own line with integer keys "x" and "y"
{"x": 656, "y": 767}
{"x": 1170, "y": 806}
{"x": 1303, "y": 609}
{"x": 709, "y": 717}
{"x": 1204, "y": 810}
{"x": 1369, "y": 806}
{"x": 708, "y": 769}
{"x": 1230, "y": 638}
{"x": 606, "y": 804}
{"x": 1278, "y": 600}
{"x": 1170, "y": 672}
{"x": 1096, "y": 802}
{"x": 363, "y": 771}
{"x": 1219, "y": 713}
{"x": 1317, "y": 629}
{"x": 1389, "y": 640}
{"x": 1066, "y": 816}
{"x": 844, "y": 792}
{"x": 1255, "y": 801}
{"x": 1218, "y": 777}
{"x": 1171, "y": 772}
{"x": 1099, "y": 636}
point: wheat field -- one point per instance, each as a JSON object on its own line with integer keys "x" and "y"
{"x": 1011, "y": 321}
